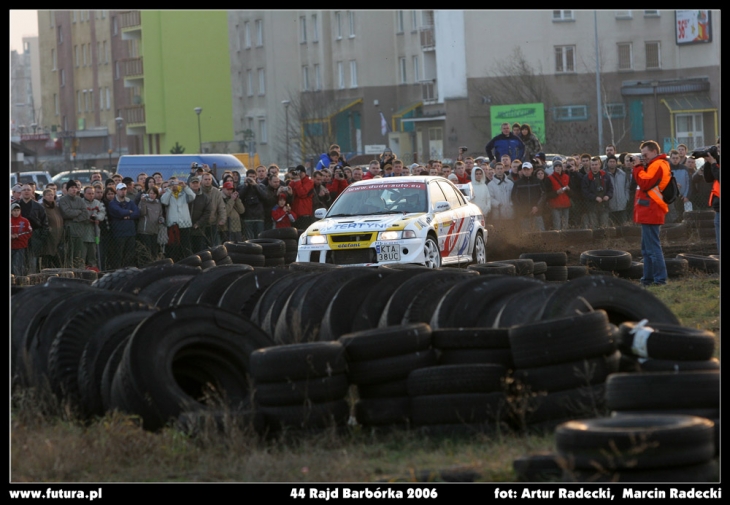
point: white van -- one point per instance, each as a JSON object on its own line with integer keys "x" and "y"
{"x": 41, "y": 178}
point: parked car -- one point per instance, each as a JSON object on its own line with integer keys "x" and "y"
{"x": 84, "y": 176}
{"x": 415, "y": 219}
{"x": 40, "y": 177}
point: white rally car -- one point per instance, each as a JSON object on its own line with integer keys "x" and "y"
{"x": 424, "y": 220}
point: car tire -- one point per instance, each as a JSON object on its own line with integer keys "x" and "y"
{"x": 431, "y": 253}
{"x": 479, "y": 254}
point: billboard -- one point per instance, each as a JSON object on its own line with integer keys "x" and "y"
{"x": 530, "y": 113}
{"x": 693, "y": 26}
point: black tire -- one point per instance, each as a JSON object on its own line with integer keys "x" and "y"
{"x": 64, "y": 354}
{"x": 280, "y": 233}
{"x": 175, "y": 353}
{"x": 276, "y": 294}
{"x": 551, "y": 259}
{"x": 636, "y": 442}
{"x": 520, "y": 308}
{"x": 569, "y": 375}
{"x": 274, "y": 262}
{"x": 676, "y": 267}
{"x": 225, "y": 261}
{"x": 522, "y": 266}
{"x": 494, "y": 268}
{"x": 272, "y": 247}
{"x": 242, "y": 295}
{"x": 667, "y": 342}
{"x": 383, "y": 411}
{"x": 453, "y": 379}
{"x": 636, "y": 271}
{"x": 244, "y": 248}
{"x": 213, "y": 291}
{"x": 606, "y": 259}
{"x": 539, "y": 267}
{"x": 385, "y": 342}
{"x": 461, "y": 408}
{"x": 152, "y": 274}
{"x": 207, "y": 265}
{"x": 383, "y": 389}
{"x": 575, "y": 271}
{"x": 114, "y": 279}
{"x": 432, "y": 245}
{"x": 290, "y": 258}
{"x": 701, "y": 263}
{"x": 663, "y": 390}
{"x": 501, "y": 357}
{"x": 110, "y": 369}
{"x": 291, "y": 246}
{"x": 479, "y": 252}
{"x": 96, "y": 354}
{"x": 205, "y": 255}
{"x": 556, "y": 273}
{"x": 674, "y": 231}
{"x": 673, "y": 365}
{"x": 152, "y": 293}
{"x": 217, "y": 253}
{"x": 193, "y": 260}
{"x": 164, "y": 261}
{"x": 699, "y": 215}
{"x": 296, "y": 362}
{"x": 621, "y": 299}
{"x": 389, "y": 369}
{"x": 561, "y": 340}
{"x": 201, "y": 282}
{"x": 255, "y": 260}
{"x": 470, "y": 338}
{"x": 317, "y": 390}
{"x": 306, "y": 266}
{"x": 338, "y": 317}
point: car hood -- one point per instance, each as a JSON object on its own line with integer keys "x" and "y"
{"x": 366, "y": 223}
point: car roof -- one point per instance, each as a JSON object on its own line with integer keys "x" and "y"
{"x": 405, "y": 178}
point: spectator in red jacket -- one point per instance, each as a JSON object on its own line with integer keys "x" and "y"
{"x": 557, "y": 189}
{"x": 282, "y": 214}
{"x": 302, "y": 190}
{"x": 338, "y": 183}
{"x": 20, "y": 232}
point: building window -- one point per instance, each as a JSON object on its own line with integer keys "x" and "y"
{"x": 651, "y": 14}
{"x": 247, "y": 35}
{"x": 564, "y": 59}
{"x": 563, "y": 15}
{"x": 625, "y": 60}
{"x": 101, "y": 99}
{"x": 262, "y": 82}
{"x": 340, "y": 75}
{"x": 263, "y": 135}
{"x": 60, "y": 35}
{"x": 116, "y": 69}
{"x": 570, "y": 113}
{"x": 338, "y": 26}
{"x": 91, "y": 100}
{"x": 315, "y": 28}
{"x": 99, "y": 54}
{"x": 115, "y": 26}
{"x": 76, "y": 55}
{"x": 416, "y": 73}
{"x": 305, "y": 78}
{"x": 614, "y": 110}
{"x": 402, "y": 67}
{"x": 249, "y": 80}
{"x": 303, "y": 29}
{"x": 53, "y": 59}
{"x": 351, "y": 22}
{"x": 55, "y": 104}
{"x": 623, "y": 15}
{"x": 83, "y": 50}
{"x": 317, "y": 77}
{"x": 103, "y": 14}
{"x": 63, "y": 77}
{"x": 52, "y": 19}
{"x": 108, "y": 99}
{"x": 238, "y": 38}
{"x": 398, "y": 21}
{"x": 73, "y": 16}
{"x": 78, "y": 100}
{"x": 259, "y": 33}
{"x": 414, "y": 21}
{"x": 353, "y": 74}
{"x": 106, "y": 52}
{"x": 653, "y": 55}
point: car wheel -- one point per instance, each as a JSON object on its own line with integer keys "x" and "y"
{"x": 479, "y": 255}
{"x": 431, "y": 253}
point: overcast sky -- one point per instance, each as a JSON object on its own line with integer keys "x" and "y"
{"x": 23, "y": 23}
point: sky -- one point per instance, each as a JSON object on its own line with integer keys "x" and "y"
{"x": 23, "y": 23}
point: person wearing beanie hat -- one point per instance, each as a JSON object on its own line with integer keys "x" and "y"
{"x": 231, "y": 230}
{"x": 532, "y": 143}
{"x": 527, "y": 196}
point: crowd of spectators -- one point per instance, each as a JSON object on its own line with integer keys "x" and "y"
{"x": 121, "y": 222}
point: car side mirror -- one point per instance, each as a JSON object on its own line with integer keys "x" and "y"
{"x": 441, "y": 206}
{"x": 320, "y": 213}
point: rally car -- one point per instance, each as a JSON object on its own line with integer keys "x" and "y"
{"x": 422, "y": 220}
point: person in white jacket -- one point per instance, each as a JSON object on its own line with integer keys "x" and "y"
{"x": 500, "y": 189}
{"x": 481, "y": 197}
{"x": 179, "y": 223}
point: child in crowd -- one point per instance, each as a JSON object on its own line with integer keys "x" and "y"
{"x": 281, "y": 214}
{"x": 20, "y": 232}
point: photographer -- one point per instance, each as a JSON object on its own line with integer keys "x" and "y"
{"x": 321, "y": 198}
{"x": 150, "y": 220}
{"x": 231, "y": 230}
{"x": 338, "y": 183}
{"x": 386, "y": 158}
{"x": 712, "y": 176}
{"x": 253, "y": 196}
{"x": 281, "y": 214}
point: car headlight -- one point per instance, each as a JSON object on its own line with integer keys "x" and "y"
{"x": 317, "y": 239}
{"x": 395, "y": 235}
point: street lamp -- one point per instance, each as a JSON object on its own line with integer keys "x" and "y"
{"x": 286, "y": 111}
{"x": 119, "y": 121}
{"x": 198, "y": 110}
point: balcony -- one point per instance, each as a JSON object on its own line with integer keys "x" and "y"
{"x": 133, "y": 114}
{"x": 429, "y": 91}
{"x": 129, "y": 19}
{"x": 132, "y": 67}
{"x": 428, "y": 38}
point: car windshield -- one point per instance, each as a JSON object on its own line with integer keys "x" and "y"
{"x": 385, "y": 198}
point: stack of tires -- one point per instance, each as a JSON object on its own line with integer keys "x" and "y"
{"x": 246, "y": 253}
{"x": 556, "y": 269}
{"x": 290, "y": 236}
{"x": 700, "y": 263}
{"x": 274, "y": 250}
{"x": 379, "y": 362}
{"x": 701, "y": 222}
{"x": 676, "y": 267}
{"x": 301, "y": 386}
{"x": 463, "y": 346}
{"x": 650, "y": 448}
{"x": 607, "y": 261}
{"x": 560, "y": 368}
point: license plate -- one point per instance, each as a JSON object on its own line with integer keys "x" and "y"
{"x": 388, "y": 252}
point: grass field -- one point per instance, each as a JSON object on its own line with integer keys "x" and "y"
{"x": 48, "y": 445}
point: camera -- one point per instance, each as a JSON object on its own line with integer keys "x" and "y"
{"x": 701, "y": 153}
{"x": 463, "y": 149}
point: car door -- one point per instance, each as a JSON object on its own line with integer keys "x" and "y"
{"x": 457, "y": 236}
